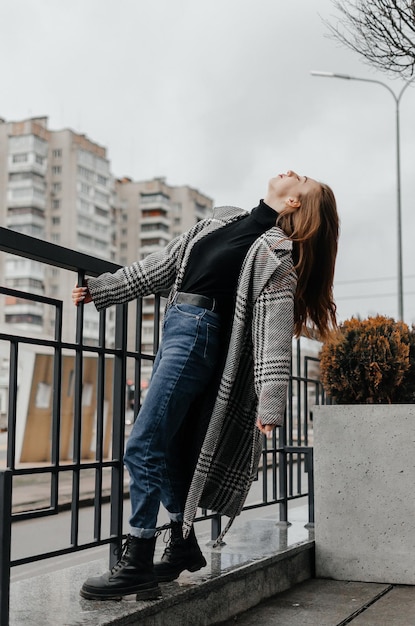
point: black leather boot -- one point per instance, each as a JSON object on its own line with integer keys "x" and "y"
{"x": 134, "y": 573}
{"x": 179, "y": 555}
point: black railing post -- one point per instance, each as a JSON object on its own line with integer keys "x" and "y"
{"x": 118, "y": 431}
{"x": 100, "y": 434}
{"x": 77, "y": 420}
{"x": 215, "y": 526}
{"x": 283, "y": 476}
{"x": 5, "y": 543}
{"x": 309, "y": 468}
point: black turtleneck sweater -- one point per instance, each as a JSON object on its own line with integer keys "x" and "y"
{"x": 216, "y": 260}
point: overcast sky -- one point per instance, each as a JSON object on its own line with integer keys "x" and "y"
{"x": 217, "y": 94}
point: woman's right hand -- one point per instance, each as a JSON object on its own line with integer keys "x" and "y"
{"x": 81, "y": 294}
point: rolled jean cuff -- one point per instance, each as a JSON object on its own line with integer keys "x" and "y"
{"x": 176, "y": 517}
{"x": 142, "y": 533}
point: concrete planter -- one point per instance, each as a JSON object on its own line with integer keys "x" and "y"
{"x": 364, "y": 471}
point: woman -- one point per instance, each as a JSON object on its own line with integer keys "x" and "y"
{"x": 241, "y": 284}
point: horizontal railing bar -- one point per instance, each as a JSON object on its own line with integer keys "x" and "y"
{"x": 19, "y": 244}
{"x": 48, "y": 555}
{"x": 314, "y": 381}
{"x": 49, "y": 511}
{"x": 64, "y": 345}
{"x": 24, "y": 516}
{"x": 26, "y": 295}
{"x": 68, "y": 467}
{"x": 53, "y": 343}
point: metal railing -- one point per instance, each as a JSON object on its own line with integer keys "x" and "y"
{"x": 285, "y": 457}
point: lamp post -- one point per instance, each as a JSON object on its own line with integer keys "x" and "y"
{"x": 397, "y": 99}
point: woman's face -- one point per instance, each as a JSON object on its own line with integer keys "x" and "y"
{"x": 292, "y": 185}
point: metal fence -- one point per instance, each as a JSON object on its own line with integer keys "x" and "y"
{"x": 285, "y": 457}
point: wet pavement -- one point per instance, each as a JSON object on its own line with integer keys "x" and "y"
{"x": 259, "y": 557}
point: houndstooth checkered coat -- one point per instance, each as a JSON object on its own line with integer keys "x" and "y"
{"x": 256, "y": 371}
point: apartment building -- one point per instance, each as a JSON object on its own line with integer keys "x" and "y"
{"x": 57, "y": 185}
{"x": 149, "y": 214}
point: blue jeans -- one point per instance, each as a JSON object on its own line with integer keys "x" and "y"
{"x": 183, "y": 368}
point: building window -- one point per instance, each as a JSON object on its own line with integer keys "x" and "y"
{"x": 57, "y": 153}
{"x": 28, "y": 229}
{"x": 84, "y": 205}
{"x": 153, "y": 242}
{"x": 24, "y": 211}
{"x": 39, "y": 159}
{"x": 56, "y": 187}
{"x": 56, "y": 204}
{"x": 26, "y": 283}
{"x": 102, "y": 180}
{"x": 20, "y": 158}
{"x": 153, "y": 213}
{"x": 153, "y": 198}
{"x": 100, "y": 212}
{"x": 56, "y": 221}
{"x": 84, "y": 172}
{"x": 23, "y": 318}
{"x": 22, "y": 192}
{"x": 14, "y": 176}
{"x": 56, "y": 169}
{"x": 38, "y": 193}
{"x": 152, "y": 227}
{"x": 101, "y": 197}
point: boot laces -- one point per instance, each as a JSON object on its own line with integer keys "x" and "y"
{"x": 121, "y": 553}
{"x": 170, "y": 539}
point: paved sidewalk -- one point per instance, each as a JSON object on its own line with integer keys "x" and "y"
{"x": 334, "y": 603}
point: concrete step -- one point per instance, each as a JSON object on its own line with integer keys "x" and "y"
{"x": 260, "y": 559}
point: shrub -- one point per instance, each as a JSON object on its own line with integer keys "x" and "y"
{"x": 369, "y": 361}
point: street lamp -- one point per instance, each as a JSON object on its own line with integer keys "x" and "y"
{"x": 397, "y": 99}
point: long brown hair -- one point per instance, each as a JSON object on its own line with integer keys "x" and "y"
{"x": 314, "y": 231}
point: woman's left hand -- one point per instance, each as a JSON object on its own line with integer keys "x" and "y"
{"x": 266, "y": 429}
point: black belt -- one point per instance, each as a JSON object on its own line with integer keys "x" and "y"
{"x": 196, "y": 300}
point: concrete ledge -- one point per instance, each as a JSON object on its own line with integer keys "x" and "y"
{"x": 216, "y": 593}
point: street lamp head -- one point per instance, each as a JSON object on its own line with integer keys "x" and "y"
{"x": 330, "y": 75}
